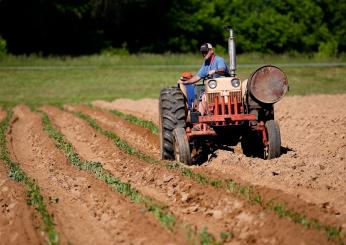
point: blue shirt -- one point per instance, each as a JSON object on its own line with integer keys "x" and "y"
{"x": 216, "y": 63}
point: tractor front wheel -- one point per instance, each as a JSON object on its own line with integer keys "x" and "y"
{"x": 181, "y": 146}
{"x": 273, "y": 149}
{"x": 172, "y": 115}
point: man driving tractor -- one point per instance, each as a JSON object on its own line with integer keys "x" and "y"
{"x": 213, "y": 66}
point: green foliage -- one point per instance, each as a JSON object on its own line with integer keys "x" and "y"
{"x": 90, "y": 26}
{"x": 3, "y": 46}
{"x": 206, "y": 238}
{"x": 110, "y": 51}
{"x": 327, "y": 49}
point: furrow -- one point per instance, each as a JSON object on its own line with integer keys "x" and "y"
{"x": 283, "y": 204}
{"x": 141, "y": 138}
{"x": 312, "y": 166}
{"x": 18, "y": 222}
{"x": 86, "y": 210}
{"x": 200, "y": 204}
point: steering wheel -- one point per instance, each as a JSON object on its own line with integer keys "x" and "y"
{"x": 207, "y": 77}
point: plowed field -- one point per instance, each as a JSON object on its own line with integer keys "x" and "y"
{"x": 102, "y": 182}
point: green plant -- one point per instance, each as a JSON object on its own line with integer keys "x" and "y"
{"x": 327, "y": 49}
{"x": 206, "y": 238}
{"x": 226, "y": 236}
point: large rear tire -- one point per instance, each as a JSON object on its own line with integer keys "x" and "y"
{"x": 181, "y": 146}
{"x": 173, "y": 114}
{"x": 273, "y": 150}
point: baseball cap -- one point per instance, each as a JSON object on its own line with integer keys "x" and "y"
{"x": 205, "y": 47}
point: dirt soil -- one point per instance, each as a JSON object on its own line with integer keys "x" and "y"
{"x": 18, "y": 222}
{"x": 192, "y": 203}
{"x": 86, "y": 210}
{"x": 313, "y": 166}
{"x": 310, "y": 177}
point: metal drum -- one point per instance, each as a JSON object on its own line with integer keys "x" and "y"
{"x": 268, "y": 84}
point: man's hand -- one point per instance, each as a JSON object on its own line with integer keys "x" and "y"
{"x": 182, "y": 81}
{"x": 211, "y": 72}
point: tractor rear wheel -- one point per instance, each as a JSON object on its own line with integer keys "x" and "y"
{"x": 181, "y": 146}
{"x": 173, "y": 114}
{"x": 273, "y": 150}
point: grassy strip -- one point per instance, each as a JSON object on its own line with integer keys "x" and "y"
{"x": 166, "y": 218}
{"x": 246, "y": 191}
{"x": 135, "y": 120}
{"x": 33, "y": 191}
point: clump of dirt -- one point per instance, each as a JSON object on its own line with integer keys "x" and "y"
{"x": 313, "y": 164}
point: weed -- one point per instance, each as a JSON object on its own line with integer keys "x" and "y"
{"x": 206, "y": 238}
{"x": 16, "y": 174}
{"x": 33, "y": 191}
{"x": 226, "y": 236}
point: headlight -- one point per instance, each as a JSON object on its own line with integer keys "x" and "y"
{"x": 235, "y": 83}
{"x": 212, "y": 84}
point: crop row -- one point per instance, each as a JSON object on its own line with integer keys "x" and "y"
{"x": 33, "y": 190}
{"x": 246, "y": 191}
{"x": 167, "y": 219}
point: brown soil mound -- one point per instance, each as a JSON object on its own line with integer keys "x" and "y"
{"x": 313, "y": 167}
{"x": 86, "y": 210}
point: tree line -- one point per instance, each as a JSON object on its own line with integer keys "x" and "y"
{"x": 90, "y": 26}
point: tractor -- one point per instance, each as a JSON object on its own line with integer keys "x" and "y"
{"x": 237, "y": 112}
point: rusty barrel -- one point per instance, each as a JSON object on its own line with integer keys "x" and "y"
{"x": 268, "y": 84}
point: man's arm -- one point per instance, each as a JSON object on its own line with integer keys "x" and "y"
{"x": 221, "y": 67}
{"x": 219, "y": 71}
{"x": 192, "y": 80}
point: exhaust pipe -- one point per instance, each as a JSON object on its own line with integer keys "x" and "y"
{"x": 231, "y": 52}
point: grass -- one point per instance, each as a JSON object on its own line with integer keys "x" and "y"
{"x": 248, "y": 192}
{"x": 34, "y": 197}
{"x": 35, "y": 80}
{"x": 167, "y": 219}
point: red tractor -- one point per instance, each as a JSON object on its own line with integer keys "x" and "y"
{"x": 237, "y": 111}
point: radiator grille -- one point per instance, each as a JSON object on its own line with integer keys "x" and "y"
{"x": 237, "y": 94}
{"x": 211, "y": 97}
